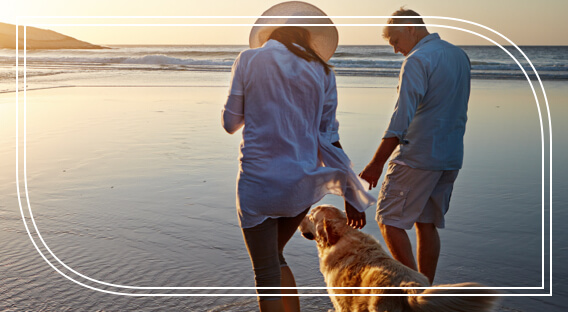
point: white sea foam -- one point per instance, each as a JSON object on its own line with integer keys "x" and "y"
{"x": 354, "y": 60}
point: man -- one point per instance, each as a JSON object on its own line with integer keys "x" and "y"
{"x": 424, "y": 140}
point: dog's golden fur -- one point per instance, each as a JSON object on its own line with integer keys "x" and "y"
{"x": 351, "y": 258}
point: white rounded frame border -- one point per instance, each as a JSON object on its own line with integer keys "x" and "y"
{"x": 134, "y": 288}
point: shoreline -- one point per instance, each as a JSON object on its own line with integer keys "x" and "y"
{"x": 386, "y": 83}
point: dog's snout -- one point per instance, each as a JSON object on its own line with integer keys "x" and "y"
{"x": 308, "y": 235}
{"x": 307, "y": 228}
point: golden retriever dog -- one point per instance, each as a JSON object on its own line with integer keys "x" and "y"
{"x": 351, "y": 258}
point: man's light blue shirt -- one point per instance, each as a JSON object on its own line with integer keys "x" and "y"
{"x": 431, "y": 111}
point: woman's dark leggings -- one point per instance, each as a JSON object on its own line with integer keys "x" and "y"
{"x": 265, "y": 244}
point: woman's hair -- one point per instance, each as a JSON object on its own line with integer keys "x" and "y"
{"x": 292, "y": 37}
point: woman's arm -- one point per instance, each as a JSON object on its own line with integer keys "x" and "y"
{"x": 232, "y": 115}
{"x": 355, "y": 219}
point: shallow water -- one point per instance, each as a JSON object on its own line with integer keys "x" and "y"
{"x": 135, "y": 187}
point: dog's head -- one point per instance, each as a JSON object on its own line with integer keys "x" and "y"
{"x": 325, "y": 224}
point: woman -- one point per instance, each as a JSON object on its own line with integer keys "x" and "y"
{"x": 284, "y": 94}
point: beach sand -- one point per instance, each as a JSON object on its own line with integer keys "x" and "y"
{"x": 136, "y": 186}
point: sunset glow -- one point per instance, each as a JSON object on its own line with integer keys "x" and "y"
{"x": 525, "y": 26}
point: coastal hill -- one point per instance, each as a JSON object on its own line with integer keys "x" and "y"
{"x": 38, "y": 38}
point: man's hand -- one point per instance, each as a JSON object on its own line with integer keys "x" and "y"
{"x": 371, "y": 174}
{"x": 374, "y": 169}
{"x": 355, "y": 219}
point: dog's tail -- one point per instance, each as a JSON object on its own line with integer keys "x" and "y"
{"x": 446, "y": 300}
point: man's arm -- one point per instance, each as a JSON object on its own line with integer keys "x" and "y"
{"x": 374, "y": 169}
{"x": 412, "y": 85}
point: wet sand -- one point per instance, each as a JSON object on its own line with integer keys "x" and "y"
{"x": 136, "y": 186}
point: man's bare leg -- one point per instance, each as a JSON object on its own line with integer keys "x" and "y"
{"x": 428, "y": 249}
{"x": 399, "y": 245}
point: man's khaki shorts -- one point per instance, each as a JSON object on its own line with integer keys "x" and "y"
{"x": 410, "y": 195}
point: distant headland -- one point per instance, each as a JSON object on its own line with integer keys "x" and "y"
{"x": 38, "y": 38}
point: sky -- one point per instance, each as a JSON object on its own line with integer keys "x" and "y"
{"x": 524, "y": 22}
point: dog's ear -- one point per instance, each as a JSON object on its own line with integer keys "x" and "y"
{"x": 329, "y": 233}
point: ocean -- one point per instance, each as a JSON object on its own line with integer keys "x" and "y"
{"x": 131, "y": 180}
{"x": 52, "y": 68}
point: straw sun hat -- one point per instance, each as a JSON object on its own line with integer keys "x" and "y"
{"x": 323, "y": 38}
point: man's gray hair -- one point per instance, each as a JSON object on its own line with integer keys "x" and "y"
{"x": 402, "y": 20}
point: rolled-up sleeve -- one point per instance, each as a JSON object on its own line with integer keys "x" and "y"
{"x": 412, "y": 86}
{"x": 329, "y": 126}
{"x": 233, "y": 117}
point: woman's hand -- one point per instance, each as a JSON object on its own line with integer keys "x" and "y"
{"x": 355, "y": 219}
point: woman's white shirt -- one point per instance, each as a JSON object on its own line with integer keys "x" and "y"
{"x": 287, "y": 106}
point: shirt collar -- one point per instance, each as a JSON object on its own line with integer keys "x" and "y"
{"x": 273, "y": 43}
{"x": 425, "y": 40}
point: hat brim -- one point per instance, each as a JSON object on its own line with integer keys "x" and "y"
{"x": 324, "y": 38}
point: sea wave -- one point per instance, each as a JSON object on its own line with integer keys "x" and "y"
{"x": 365, "y": 63}
{"x": 155, "y": 59}
{"x": 487, "y": 62}
{"x": 168, "y": 60}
